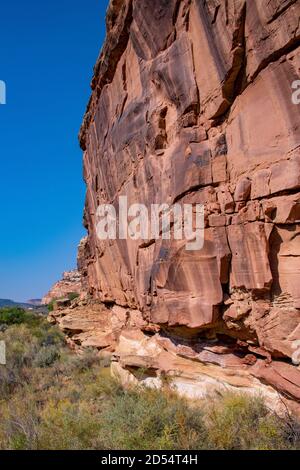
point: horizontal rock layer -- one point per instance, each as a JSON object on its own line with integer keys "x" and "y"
{"x": 192, "y": 103}
{"x": 194, "y": 366}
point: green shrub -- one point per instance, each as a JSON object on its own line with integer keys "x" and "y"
{"x": 19, "y": 424}
{"x": 27, "y": 346}
{"x": 68, "y": 426}
{"x": 15, "y": 316}
{"x": 73, "y": 295}
{"x": 81, "y": 363}
{"x": 238, "y": 421}
{"x": 47, "y": 335}
{"x": 46, "y": 356}
{"x": 156, "y": 420}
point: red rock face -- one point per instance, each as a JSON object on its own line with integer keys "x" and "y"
{"x": 69, "y": 284}
{"x": 192, "y": 102}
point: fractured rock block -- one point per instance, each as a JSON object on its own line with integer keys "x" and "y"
{"x": 277, "y": 329}
{"x": 192, "y": 283}
{"x": 250, "y": 263}
{"x": 285, "y": 175}
{"x": 243, "y": 190}
{"x": 260, "y": 184}
{"x": 285, "y": 262}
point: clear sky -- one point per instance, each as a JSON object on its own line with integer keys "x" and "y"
{"x": 47, "y": 53}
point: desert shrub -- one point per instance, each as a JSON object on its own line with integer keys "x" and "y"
{"x": 19, "y": 424}
{"x": 15, "y": 316}
{"x": 47, "y": 335}
{"x": 67, "y": 426}
{"x": 81, "y": 363}
{"x": 239, "y": 421}
{"x": 46, "y": 356}
{"x": 156, "y": 421}
{"x": 73, "y": 295}
{"x": 33, "y": 343}
{"x": 21, "y": 348}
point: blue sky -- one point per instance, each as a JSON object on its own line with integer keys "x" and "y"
{"x": 47, "y": 52}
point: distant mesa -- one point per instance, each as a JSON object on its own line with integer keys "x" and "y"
{"x": 7, "y": 303}
{"x": 35, "y": 302}
{"x": 30, "y": 304}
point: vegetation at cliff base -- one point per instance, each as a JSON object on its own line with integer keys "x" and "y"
{"x": 51, "y": 398}
{"x": 71, "y": 296}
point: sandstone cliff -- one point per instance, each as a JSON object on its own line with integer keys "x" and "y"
{"x": 69, "y": 284}
{"x": 192, "y": 102}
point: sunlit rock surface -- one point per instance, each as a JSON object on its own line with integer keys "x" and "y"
{"x": 192, "y": 103}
